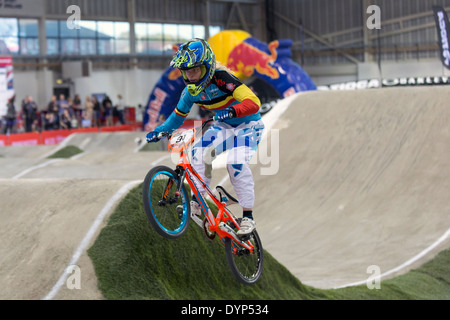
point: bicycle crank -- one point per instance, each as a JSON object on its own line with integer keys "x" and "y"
{"x": 209, "y": 234}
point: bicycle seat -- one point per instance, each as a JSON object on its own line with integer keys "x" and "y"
{"x": 230, "y": 198}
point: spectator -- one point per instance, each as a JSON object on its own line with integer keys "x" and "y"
{"x": 52, "y": 116}
{"x": 78, "y": 108}
{"x": 29, "y": 110}
{"x": 88, "y": 113}
{"x": 77, "y": 102}
{"x": 66, "y": 119}
{"x": 120, "y": 107}
{"x": 52, "y": 104}
{"x": 97, "y": 111}
{"x": 10, "y": 117}
{"x": 108, "y": 109}
{"x": 72, "y": 113}
{"x": 62, "y": 102}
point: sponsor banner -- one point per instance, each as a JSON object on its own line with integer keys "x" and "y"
{"x": 163, "y": 99}
{"x": 443, "y": 30}
{"x": 6, "y": 82}
{"x": 24, "y": 139}
{"x": 3, "y": 140}
{"x": 385, "y": 83}
{"x": 52, "y": 137}
{"x": 3, "y": 93}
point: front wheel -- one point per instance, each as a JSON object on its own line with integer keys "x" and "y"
{"x": 167, "y": 210}
{"x": 246, "y": 266}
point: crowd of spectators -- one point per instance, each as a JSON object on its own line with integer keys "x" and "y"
{"x": 62, "y": 113}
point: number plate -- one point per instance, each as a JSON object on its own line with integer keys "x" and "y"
{"x": 181, "y": 140}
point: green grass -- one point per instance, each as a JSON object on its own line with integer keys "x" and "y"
{"x": 429, "y": 282}
{"x": 66, "y": 152}
{"x": 133, "y": 262}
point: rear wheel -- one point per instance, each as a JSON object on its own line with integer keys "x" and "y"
{"x": 167, "y": 210}
{"x": 245, "y": 265}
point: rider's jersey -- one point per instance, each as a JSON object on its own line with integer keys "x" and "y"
{"x": 224, "y": 91}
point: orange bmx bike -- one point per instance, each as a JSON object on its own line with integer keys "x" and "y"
{"x": 167, "y": 206}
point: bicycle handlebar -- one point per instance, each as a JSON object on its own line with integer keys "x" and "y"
{"x": 167, "y": 134}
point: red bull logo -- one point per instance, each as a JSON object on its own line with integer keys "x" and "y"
{"x": 154, "y": 109}
{"x": 246, "y": 58}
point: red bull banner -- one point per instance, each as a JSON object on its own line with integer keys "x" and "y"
{"x": 163, "y": 99}
{"x": 248, "y": 58}
{"x": 271, "y": 63}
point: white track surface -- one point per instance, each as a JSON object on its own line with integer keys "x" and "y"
{"x": 348, "y": 180}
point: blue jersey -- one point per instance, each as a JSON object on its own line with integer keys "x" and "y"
{"x": 225, "y": 91}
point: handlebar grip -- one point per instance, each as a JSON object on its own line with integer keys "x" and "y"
{"x": 231, "y": 114}
{"x": 159, "y": 136}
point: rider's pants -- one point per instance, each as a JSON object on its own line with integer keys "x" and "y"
{"x": 241, "y": 143}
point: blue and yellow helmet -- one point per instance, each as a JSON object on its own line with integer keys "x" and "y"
{"x": 195, "y": 53}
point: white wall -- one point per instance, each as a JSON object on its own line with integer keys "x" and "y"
{"x": 134, "y": 85}
{"x": 38, "y": 84}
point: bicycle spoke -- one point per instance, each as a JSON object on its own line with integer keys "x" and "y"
{"x": 161, "y": 202}
{"x": 245, "y": 265}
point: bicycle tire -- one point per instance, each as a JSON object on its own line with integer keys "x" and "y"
{"x": 246, "y": 267}
{"x": 160, "y": 203}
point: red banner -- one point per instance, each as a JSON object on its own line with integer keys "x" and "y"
{"x": 24, "y": 139}
{"x": 52, "y": 137}
{"x": 3, "y": 140}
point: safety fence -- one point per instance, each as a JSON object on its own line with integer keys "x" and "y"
{"x": 52, "y": 137}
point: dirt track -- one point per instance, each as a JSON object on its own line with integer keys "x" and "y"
{"x": 366, "y": 185}
{"x": 361, "y": 178}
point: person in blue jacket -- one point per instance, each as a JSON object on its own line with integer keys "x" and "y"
{"x": 238, "y": 129}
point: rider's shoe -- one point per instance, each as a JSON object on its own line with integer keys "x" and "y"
{"x": 195, "y": 209}
{"x": 247, "y": 226}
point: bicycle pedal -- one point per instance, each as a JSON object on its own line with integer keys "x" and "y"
{"x": 244, "y": 237}
{"x": 224, "y": 227}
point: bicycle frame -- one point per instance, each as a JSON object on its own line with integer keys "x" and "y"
{"x": 188, "y": 173}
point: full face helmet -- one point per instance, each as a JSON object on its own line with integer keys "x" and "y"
{"x": 195, "y": 53}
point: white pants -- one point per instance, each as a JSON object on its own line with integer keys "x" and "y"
{"x": 242, "y": 143}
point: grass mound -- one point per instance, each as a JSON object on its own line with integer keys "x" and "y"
{"x": 133, "y": 262}
{"x": 66, "y": 152}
